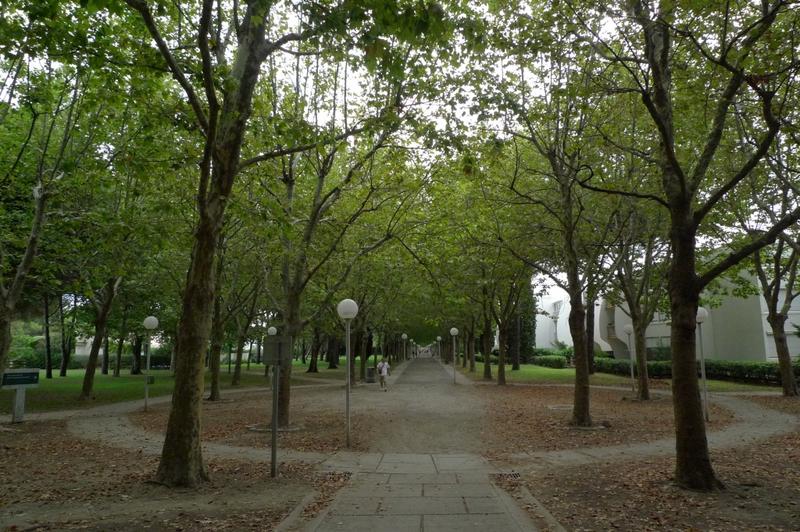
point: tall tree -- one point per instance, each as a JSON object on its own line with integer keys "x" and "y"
{"x": 739, "y": 60}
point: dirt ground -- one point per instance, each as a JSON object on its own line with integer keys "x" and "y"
{"x": 762, "y": 492}
{"x": 316, "y": 417}
{"x": 65, "y": 483}
{"x": 55, "y": 481}
{"x": 536, "y": 418}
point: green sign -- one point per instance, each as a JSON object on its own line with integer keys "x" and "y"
{"x": 17, "y": 377}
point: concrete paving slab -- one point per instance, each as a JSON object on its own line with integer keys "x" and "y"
{"x": 382, "y": 490}
{"x": 371, "y": 523}
{"x": 461, "y": 463}
{"x": 472, "y": 477}
{"x": 394, "y": 467}
{"x": 422, "y": 506}
{"x": 423, "y": 478}
{"x": 352, "y": 462}
{"x": 458, "y": 490}
{"x": 407, "y": 458}
{"x": 368, "y": 478}
{"x": 362, "y": 506}
{"x": 476, "y": 522}
{"x": 484, "y": 505}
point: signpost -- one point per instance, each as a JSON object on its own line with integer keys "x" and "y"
{"x": 277, "y": 353}
{"x": 20, "y": 379}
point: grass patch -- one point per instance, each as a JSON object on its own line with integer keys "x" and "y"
{"x": 531, "y": 374}
{"x": 61, "y": 393}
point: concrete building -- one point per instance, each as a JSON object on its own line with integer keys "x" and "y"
{"x": 737, "y": 329}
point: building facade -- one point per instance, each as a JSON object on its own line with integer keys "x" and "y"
{"x": 737, "y": 329}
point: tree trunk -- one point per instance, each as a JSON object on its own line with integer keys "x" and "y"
{"x": 285, "y": 378}
{"x": 104, "y": 365}
{"x": 316, "y": 346}
{"x": 516, "y": 343}
{"x": 5, "y": 331}
{"x": 67, "y": 340}
{"x": 121, "y": 342}
{"x": 332, "y": 353}
{"x": 181, "y": 457}
{"x": 237, "y": 366}
{"x": 643, "y": 392}
{"x": 48, "y": 352}
{"x": 355, "y": 353}
{"x": 486, "y": 337}
{"x": 693, "y": 465}
{"x": 581, "y": 416}
{"x": 471, "y": 348}
{"x": 12, "y": 291}
{"x": 136, "y": 357}
{"x": 502, "y": 350}
{"x": 102, "y": 309}
{"x": 363, "y": 357}
{"x": 777, "y": 322}
{"x": 590, "y": 335}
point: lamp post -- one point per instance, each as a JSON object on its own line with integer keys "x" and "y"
{"x": 628, "y": 328}
{"x": 150, "y": 323}
{"x": 404, "y": 336}
{"x": 702, "y": 315}
{"x": 272, "y": 331}
{"x": 454, "y": 333}
{"x": 439, "y": 347}
{"x": 347, "y": 310}
{"x": 413, "y": 349}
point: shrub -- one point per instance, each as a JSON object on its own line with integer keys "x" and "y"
{"x": 735, "y": 370}
{"x": 659, "y": 353}
{"x": 612, "y": 365}
{"x": 551, "y": 361}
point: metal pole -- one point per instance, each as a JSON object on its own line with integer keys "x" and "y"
{"x": 274, "y": 445}
{"x": 632, "y": 353}
{"x": 347, "y": 393}
{"x": 703, "y": 372}
{"x": 147, "y": 371}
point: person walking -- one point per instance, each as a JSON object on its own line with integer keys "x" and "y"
{"x": 383, "y": 372}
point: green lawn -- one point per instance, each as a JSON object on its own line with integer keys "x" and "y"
{"x": 528, "y": 373}
{"x": 61, "y": 393}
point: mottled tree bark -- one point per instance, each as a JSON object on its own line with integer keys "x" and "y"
{"x": 102, "y": 310}
{"x": 48, "y": 352}
{"x": 777, "y": 323}
{"x": 502, "y": 350}
{"x": 486, "y": 337}
{"x": 136, "y": 355}
{"x": 590, "y": 335}
{"x": 581, "y": 415}
{"x": 105, "y": 363}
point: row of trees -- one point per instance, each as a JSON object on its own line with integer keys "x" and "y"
{"x": 227, "y": 166}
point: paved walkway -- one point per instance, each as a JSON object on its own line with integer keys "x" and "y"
{"x": 419, "y": 491}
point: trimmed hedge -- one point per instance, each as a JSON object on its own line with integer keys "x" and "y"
{"x": 550, "y": 361}
{"x": 746, "y": 371}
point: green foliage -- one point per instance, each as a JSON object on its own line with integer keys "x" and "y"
{"x": 550, "y": 361}
{"x": 659, "y": 353}
{"x": 733, "y": 370}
